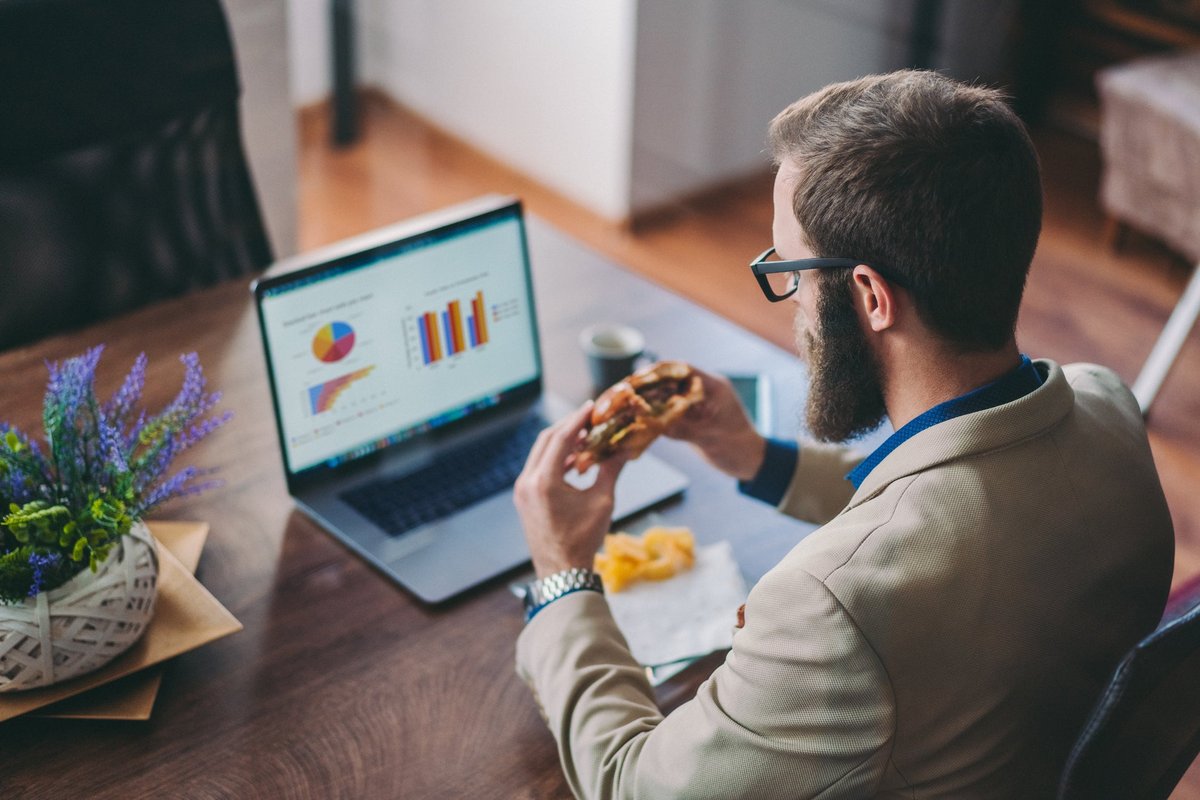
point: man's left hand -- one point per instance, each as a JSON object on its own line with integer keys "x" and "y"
{"x": 564, "y": 526}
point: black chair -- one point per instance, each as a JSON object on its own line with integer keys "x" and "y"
{"x": 1145, "y": 731}
{"x": 122, "y": 175}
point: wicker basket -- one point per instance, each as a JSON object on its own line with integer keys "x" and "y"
{"x": 83, "y": 624}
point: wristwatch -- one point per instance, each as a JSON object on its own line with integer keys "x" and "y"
{"x": 545, "y": 591}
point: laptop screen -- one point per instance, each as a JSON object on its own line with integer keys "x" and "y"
{"x": 379, "y": 346}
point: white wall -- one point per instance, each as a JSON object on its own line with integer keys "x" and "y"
{"x": 710, "y": 75}
{"x": 308, "y": 50}
{"x": 544, "y": 85}
{"x": 260, "y": 32}
{"x": 625, "y": 105}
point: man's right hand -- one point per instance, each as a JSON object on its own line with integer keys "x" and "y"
{"x": 720, "y": 429}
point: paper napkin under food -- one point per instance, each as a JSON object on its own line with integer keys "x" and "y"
{"x": 689, "y": 615}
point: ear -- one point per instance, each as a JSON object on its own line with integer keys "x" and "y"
{"x": 875, "y": 298}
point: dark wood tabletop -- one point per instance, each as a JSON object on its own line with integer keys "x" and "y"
{"x": 342, "y": 685}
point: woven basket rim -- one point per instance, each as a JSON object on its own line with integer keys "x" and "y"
{"x": 75, "y": 625}
{"x": 84, "y": 575}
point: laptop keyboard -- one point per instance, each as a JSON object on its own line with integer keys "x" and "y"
{"x": 457, "y": 479}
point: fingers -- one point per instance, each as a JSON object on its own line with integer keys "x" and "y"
{"x": 564, "y": 435}
{"x": 541, "y": 445}
{"x": 550, "y": 441}
{"x": 609, "y": 470}
{"x": 535, "y": 452}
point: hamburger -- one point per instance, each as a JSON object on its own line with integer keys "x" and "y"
{"x": 632, "y": 413}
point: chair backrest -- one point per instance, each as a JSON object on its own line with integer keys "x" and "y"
{"x": 122, "y": 174}
{"x": 1145, "y": 731}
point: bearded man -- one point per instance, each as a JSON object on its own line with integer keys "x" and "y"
{"x": 976, "y": 578}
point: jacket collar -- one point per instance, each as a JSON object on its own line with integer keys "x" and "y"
{"x": 974, "y": 433}
{"x": 1011, "y": 386}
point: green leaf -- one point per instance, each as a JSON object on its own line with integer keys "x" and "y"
{"x": 15, "y": 575}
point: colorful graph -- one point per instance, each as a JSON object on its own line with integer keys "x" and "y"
{"x": 322, "y": 396}
{"x": 449, "y": 333}
{"x": 333, "y": 342}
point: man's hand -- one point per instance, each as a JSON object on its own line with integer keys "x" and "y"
{"x": 719, "y": 428}
{"x": 564, "y": 526}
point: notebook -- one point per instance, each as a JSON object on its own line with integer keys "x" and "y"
{"x": 406, "y": 378}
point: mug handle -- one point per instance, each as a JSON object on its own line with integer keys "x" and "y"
{"x": 647, "y": 358}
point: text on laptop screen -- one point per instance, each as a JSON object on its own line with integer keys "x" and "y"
{"x": 400, "y": 341}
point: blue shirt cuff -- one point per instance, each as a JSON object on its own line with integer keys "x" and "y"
{"x": 773, "y": 477}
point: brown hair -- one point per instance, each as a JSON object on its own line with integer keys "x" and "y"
{"x": 934, "y": 179}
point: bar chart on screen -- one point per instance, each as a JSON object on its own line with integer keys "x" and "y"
{"x": 462, "y": 325}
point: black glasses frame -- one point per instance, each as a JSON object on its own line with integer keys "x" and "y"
{"x": 762, "y": 268}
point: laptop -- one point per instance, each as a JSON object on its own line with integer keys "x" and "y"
{"x": 406, "y": 378}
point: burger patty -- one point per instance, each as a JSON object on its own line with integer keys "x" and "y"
{"x": 599, "y": 438}
{"x": 657, "y": 394}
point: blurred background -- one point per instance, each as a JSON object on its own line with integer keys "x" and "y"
{"x": 627, "y": 105}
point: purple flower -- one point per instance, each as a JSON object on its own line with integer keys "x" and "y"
{"x": 118, "y": 409}
{"x": 131, "y": 435}
{"x": 202, "y": 429}
{"x": 15, "y": 488}
{"x": 40, "y": 563}
{"x": 71, "y": 382}
{"x": 70, "y": 398}
{"x": 171, "y": 487}
{"x": 110, "y": 442}
{"x": 191, "y": 394}
{"x": 103, "y": 459}
{"x": 160, "y": 451}
{"x": 22, "y": 466}
{"x": 177, "y": 486}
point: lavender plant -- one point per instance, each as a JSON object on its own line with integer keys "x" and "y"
{"x": 104, "y": 466}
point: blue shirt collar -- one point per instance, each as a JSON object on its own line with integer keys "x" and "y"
{"x": 1009, "y": 387}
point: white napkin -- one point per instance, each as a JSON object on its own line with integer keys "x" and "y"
{"x": 689, "y": 615}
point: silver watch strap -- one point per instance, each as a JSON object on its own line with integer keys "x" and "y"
{"x": 550, "y": 588}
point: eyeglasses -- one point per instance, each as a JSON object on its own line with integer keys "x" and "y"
{"x": 779, "y": 280}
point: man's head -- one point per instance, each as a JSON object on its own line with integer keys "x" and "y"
{"x": 929, "y": 179}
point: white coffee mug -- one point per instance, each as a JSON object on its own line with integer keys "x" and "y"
{"x": 613, "y": 351}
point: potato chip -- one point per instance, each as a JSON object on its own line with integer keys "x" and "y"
{"x": 658, "y": 554}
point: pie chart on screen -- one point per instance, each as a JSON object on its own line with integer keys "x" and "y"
{"x": 333, "y": 342}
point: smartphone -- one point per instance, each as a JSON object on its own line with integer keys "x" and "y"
{"x": 755, "y": 393}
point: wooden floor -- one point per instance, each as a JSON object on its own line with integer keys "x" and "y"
{"x": 1084, "y": 301}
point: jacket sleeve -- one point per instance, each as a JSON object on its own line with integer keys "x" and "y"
{"x": 819, "y": 489}
{"x": 801, "y": 707}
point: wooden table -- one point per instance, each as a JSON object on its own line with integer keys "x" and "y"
{"x": 342, "y": 685}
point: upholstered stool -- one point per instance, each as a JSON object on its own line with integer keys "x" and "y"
{"x": 1150, "y": 141}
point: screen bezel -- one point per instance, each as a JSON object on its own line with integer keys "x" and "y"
{"x": 508, "y": 398}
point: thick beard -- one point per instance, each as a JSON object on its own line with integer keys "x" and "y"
{"x": 845, "y": 392}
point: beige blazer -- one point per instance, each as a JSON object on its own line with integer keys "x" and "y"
{"x": 943, "y": 635}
